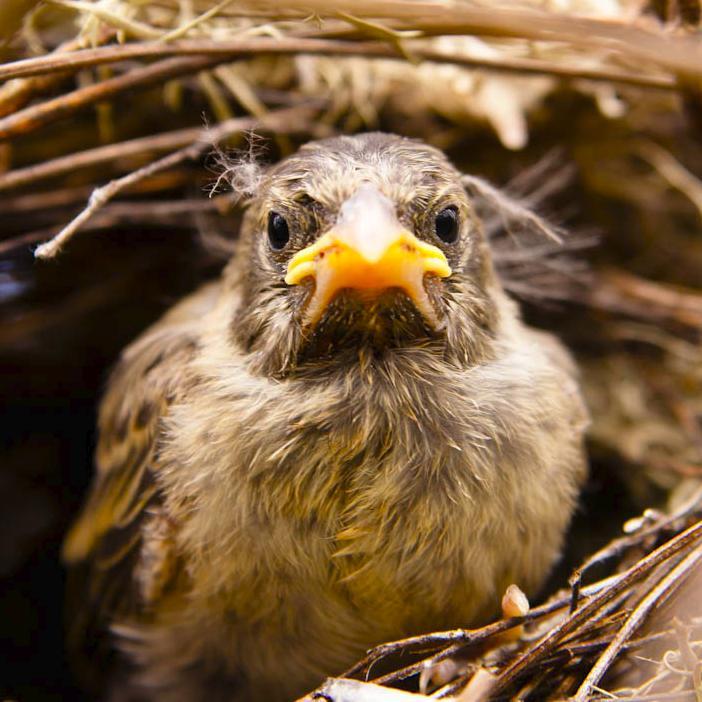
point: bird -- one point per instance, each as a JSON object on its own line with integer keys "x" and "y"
{"x": 350, "y": 437}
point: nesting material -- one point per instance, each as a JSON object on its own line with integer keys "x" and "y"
{"x": 102, "y": 133}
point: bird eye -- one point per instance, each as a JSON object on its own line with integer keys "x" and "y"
{"x": 278, "y": 231}
{"x": 446, "y": 225}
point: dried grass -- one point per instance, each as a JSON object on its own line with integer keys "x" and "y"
{"x": 444, "y": 71}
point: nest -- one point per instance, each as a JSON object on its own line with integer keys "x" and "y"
{"x": 563, "y": 648}
{"x": 112, "y": 116}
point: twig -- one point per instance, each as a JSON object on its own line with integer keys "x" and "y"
{"x": 683, "y": 56}
{"x": 681, "y": 696}
{"x": 673, "y": 172}
{"x": 171, "y": 213}
{"x": 466, "y": 637}
{"x": 31, "y": 118}
{"x": 638, "y": 570}
{"x": 625, "y": 293}
{"x": 510, "y": 208}
{"x": 692, "y": 506}
{"x": 416, "y": 668}
{"x": 225, "y": 49}
{"x": 667, "y": 584}
{"x": 570, "y": 651}
{"x": 17, "y": 94}
{"x": 342, "y": 690}
{"x": 196, "y": 21}
{"x": 436, "y": 17}
{"x": 101, "y": 154}
{"x": 281, "y": 119}
{"x": 231, "y": 49}
{"x": 105, "y": 193}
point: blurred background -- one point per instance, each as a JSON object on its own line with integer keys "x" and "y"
{"x": 572, "y": 105}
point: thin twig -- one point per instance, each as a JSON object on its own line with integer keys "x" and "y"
{"x": 419, "y": 666}
{"x": 637, "y": 571}
{"x": 102, "y": 154}
{"x": 673, "y": 172}
{"x": 160, "y": 213}
{"x": 282, "y": 120}
{"x": 667, "y": 584}
{"x": 105, "y": 193}
{"x": 35, "y": 116}
{"x": 692, "y": 506}
{"x": 231, "y": 49}
{"x": 15, "y": 95}
{"x": 625, "y": 293}
{"x": 183, "y": 29}
{"x": 570, "y": 651}
{"x": 466, "y": 637}
{"x": 434, "y": 17}
{"x": 681, "y": 696}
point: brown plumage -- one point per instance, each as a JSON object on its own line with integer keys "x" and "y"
{"x": 280, "y": 488}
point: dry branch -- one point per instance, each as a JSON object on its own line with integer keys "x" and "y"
{"x": 282, "y": 121}
{"x": 654, "y": 46}
{"x": 232, "y": 49}
{"x": 645, "y": 299}
{"x": 580, "y": 615}
{"x": 674, "y": 579}
{"x": 102, "y": 154}
{"x": 36, "y": 116}
{"x": 342, "y": 690}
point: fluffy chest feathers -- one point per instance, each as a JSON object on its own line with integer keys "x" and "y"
{"x": 386, "y": 485}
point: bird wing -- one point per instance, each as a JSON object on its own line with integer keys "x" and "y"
{"x": 119, "y": 548}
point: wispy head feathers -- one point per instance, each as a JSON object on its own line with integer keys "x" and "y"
{"x": 536, "y": 259}
{"x": 240, "y": 169}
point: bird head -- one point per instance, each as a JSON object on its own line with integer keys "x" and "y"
{"x": 362, "y": 243}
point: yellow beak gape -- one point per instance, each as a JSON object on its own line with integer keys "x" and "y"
{"x": 367, "y": 250}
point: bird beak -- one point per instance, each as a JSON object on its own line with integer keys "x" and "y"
{"x": 370, "y": 251}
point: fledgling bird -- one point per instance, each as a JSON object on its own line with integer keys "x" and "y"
{"x": 350, "y": 437}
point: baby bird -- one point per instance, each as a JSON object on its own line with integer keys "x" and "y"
{"x": 350, "y": 437}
